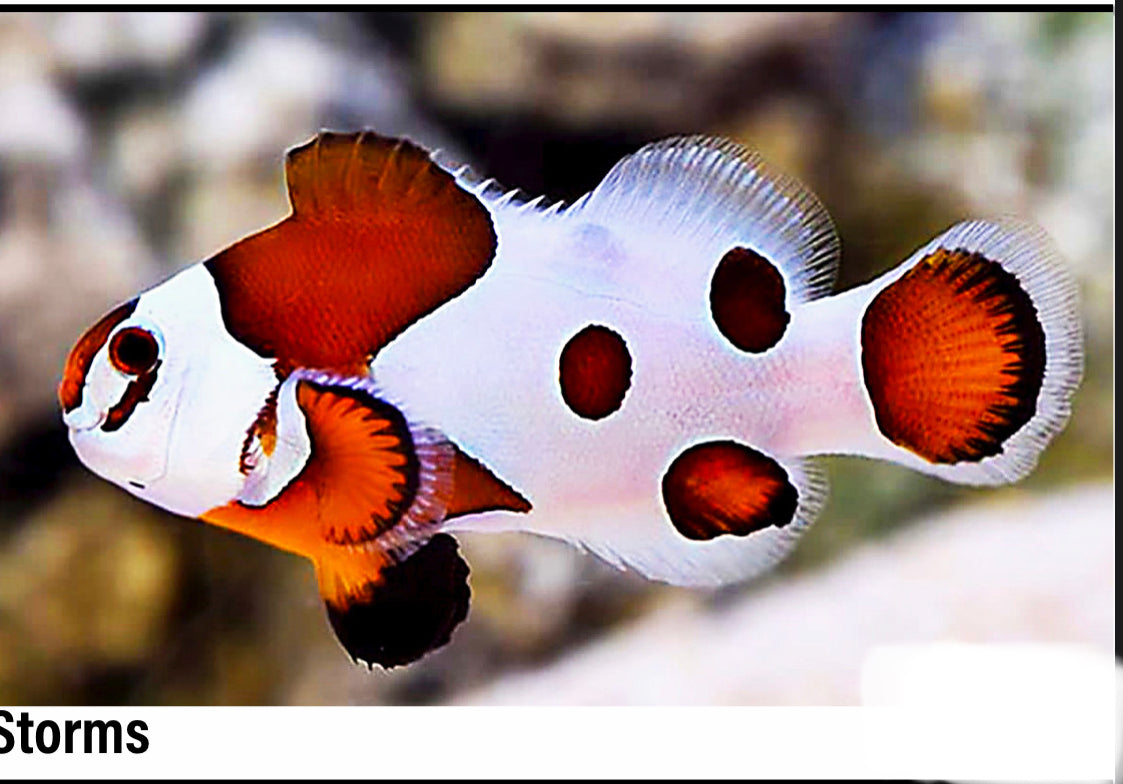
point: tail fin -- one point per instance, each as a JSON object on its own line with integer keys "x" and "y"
{"x": 971, "y": 351}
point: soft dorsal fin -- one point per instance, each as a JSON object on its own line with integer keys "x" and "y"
{"x": 378, "y": 237}
{"x": 716, "y": 195}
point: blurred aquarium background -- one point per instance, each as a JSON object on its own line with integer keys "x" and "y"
{"x": 134, "y": 144}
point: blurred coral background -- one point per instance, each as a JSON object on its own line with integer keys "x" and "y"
{"x": 134, "y": 144}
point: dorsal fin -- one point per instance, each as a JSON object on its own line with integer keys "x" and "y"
{"x": 378, "y": 237}
{"x": 714, "y": 195}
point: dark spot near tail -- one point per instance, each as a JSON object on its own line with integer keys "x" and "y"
{"x": 953, "y": 357}
{"x": 723, "y": 487}
{"x": 595, "y": 372}
{"x": 412, "y": 608}
{"x": 747, "y": 300}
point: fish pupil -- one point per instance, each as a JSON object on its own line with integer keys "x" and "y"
{"x": 134, "y": 351}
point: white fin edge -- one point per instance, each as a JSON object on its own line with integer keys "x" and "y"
{"x": 650, "y": 544}
{"x": 1029, "y": 254}
{"x": 720, "y": 194}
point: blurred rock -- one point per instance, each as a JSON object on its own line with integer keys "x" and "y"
{"x": 280, "y": 86}
{"x": 88, "y": 584}
{"x": 38, "y": 123}
{"x": 1027, "y": 569}
{"x": 96, "y": 41}
{"x": 146, "y": 150}
{"x": 67, "y": 253}
{"x": 581, "y": 68}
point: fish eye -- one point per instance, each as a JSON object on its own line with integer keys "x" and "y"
{"x": 134, "y": 351}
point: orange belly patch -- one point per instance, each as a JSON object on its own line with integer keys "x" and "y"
{"x": 953, "y": 357}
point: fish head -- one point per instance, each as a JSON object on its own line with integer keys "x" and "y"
{"x": 120, "y": 395}
{"x": 158, "y": 397}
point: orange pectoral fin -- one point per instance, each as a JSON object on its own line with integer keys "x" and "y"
{"x": 367, "y": 476}
{"x": 378, "y": 237}
{"x": 403, "y": 611}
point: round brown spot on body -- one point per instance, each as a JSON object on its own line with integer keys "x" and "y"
{"x": 595, "y": 371}
{"x": 723, "y": 487}
{"x": 747, "y": 300}
{"x": 953, "y": 357}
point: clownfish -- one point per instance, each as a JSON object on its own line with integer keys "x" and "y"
{"x": 644, "y": 373}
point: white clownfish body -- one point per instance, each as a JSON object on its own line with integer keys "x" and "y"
{"x": 643, "y": 373}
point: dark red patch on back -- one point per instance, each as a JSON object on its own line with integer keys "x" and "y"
{"x": 409, "y": 610}
{"x": 82, "y": 355}
{"x": 595, "y": 371}
{"x": 953, "y": 357}
{"x": 722, "y": 487}
{"x": 379, "y": 236}
{"x": 747, "y": 300}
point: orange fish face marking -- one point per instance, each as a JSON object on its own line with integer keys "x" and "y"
{"x": 135, "y": 393}
{"x": 81, "y": 357}
{"x": 747, "y": 301}
{"x": 595, "y": 372}
{"x": 953, "y": 357}
{"x": 723, "y": 487}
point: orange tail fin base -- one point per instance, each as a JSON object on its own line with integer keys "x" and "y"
{"x": 970, "y": 356}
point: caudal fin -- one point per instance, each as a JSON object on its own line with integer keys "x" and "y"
{"x": 971, "y": 351}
